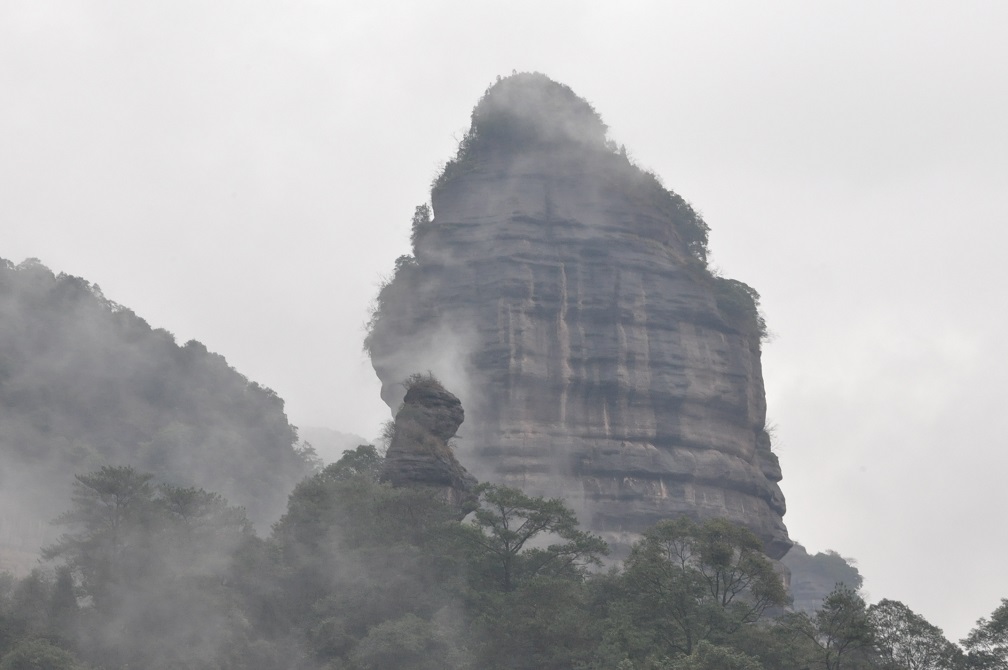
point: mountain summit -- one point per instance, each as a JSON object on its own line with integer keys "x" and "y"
{"x": 564, "y": 294}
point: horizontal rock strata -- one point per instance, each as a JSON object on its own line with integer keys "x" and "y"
{"x": 557, "y": 288}
{"x": 419, "y": 454}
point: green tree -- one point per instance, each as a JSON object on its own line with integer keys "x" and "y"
{"x": 39, "y": 654}
{"x": 509, "y": 521}
{"x": 987, "y": 643}
{"x": 421, "y": 217}
{"x": 905, "y": 639}
{"x": 154, "y": 564}
{"x": 707, "y": 656}
{"x": 353, "y": 554}
{"x": 527, "y": 561}
{"x": 364, "y": 461}
{"x": 38, "y": 606}
{"x": 64, "y": 609}
{"x": 841, "y": 630}
{"x": 686, "y": 582}
{"x": 545, "y": 623}
{"x": 28, "y": 605}
{"x": 198, "y": 529}
{"x": 777, "y": 646}
{"x": 112, "y": 509}
{"x": 410, "y": 643}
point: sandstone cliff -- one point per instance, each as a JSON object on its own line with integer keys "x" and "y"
{"x": 814, "y": 576}
{"x": 564, "y": 292}
{"x": 419, "y": 453}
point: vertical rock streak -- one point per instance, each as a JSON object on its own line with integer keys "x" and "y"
{"x": 598, "y": 362}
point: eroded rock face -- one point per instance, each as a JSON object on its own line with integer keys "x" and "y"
{"x": 814, "y": 576}
{"x": 419, "y": 454}
{"x": 564, "y": 293}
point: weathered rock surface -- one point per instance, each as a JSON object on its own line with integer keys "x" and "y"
{"x": 564, "y": 293}
{"x": 814, "y": 576}
{"x": 419, "y": 453}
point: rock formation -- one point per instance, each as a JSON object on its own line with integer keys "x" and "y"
{"x": 419, "y": 453}
{"x": 564, "y": 293}
{"x": 814, "y": 576}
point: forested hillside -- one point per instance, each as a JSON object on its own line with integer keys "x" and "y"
{"x": 362, "y": 575}
{"x": 85, "y": 382}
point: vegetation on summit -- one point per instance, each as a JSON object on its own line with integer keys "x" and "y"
{"x": 529, "y": 112}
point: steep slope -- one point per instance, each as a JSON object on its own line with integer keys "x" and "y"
{"x": 564, "y": 293}
{"x": 85, "y": 382}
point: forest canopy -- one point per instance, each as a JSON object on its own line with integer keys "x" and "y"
{"x": 86, "y": 382}
{"x": 359, "y": 574}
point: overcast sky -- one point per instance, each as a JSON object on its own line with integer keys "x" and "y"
{"x": 244, "y": 173}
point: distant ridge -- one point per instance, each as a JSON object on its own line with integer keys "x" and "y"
{"x": 563, "y": 294}
{"x": 86, "y": 382}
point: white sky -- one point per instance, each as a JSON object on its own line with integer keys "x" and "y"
{"x": 243, "y": 173}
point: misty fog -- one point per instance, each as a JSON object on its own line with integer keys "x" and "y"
{"x": 243, "y": 177}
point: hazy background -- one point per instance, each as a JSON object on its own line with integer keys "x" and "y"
{"x": 244, "y": 173}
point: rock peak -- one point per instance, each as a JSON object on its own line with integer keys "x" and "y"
{"x": 419, "y": 453}
{"x": 565, "y": 293}
{"x": 530, "y": 107}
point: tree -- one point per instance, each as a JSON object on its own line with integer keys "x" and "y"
{"x": 707, "y": 656}
{"x": 545, "y": 623}
{"x": 63, "y": 607}
{"x": 364, "y": 461}
{"x": 353, "y": 554}
{"x": 38, "y": 654}
{"x": 421, "y": 217}
{"x": 987, "y": 643}
{"x": 904, "y": 639}
{"x": 841, "y": 630}
{"x": 28, "y": 605}
{"x": 111, "y": 510}
{"x": 153, "y": 564}
{"x": 409, "y": 642}
{"x": 509, "y": 521}
{"x": 686, "y": 582}
{"x": 777, "y": 646}
{"x": 527, "y": 561}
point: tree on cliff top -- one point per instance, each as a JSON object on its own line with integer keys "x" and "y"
{"x": 529, "y": 109}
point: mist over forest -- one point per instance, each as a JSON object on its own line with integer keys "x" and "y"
{"x": 160, "y": 510}
{"x": 85, "y": 382}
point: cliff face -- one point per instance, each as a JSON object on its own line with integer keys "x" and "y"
{"x": 564, "y": 293}
{"x": 814, "y": 576}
